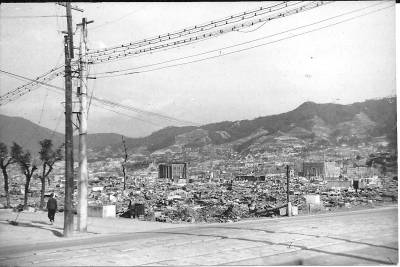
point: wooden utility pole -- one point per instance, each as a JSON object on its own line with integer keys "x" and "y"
{"x": 69, "y": 153}
{"x": 124, "y": 163}
{"x": 69, "y": 148}
{"x": 83, "y": 170}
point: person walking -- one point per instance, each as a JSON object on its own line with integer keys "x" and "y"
{"x": 51, "y": 208}
{"x": 131, "y": 209}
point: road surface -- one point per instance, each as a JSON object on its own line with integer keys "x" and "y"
{"x": 368, "y": 237}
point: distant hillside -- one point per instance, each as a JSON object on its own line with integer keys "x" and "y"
{"x": 26, "y": 133}
{"x": 101, "y": 140}
{"x": 310, "y": 123}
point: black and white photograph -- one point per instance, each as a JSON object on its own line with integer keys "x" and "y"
{"x": 233, "y": 133}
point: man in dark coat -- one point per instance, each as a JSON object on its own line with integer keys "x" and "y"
{"x": 131, "y": 209}
{"x": 51, "y": 208}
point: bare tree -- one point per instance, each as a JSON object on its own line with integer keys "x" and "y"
{"x": 26, "y": 164}
{"x": 49, "y": 157}
{"x": 5, "y": 161}
{"x": 123, "y": 164}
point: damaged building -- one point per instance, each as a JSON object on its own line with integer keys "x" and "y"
{"x": 321, "y": 169}
{"x": 173, "y": 171}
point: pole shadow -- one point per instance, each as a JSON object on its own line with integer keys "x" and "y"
{"x": 24, "y": 224}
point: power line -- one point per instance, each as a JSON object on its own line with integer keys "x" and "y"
{"x": 159, "y": 50}
{"x": 32, "y": 85}
{"x": 127, "y": 115}
{"x": 23, "y": 89}
{"x": 244, "y": 49}
{"x": 231, "y": 46}
{"x": 29, "y": 17}
{"x": 115, "y": 20}
{"x": 127, "y": 52}
{"x": 168, "y": 47}
{"x": 110, "y": 103}
{"x": 254, "y": 29}
{"x": 10, "y": 96}
{"x": 214, "y": 28}
{"x": 131, "y": 108}
{"x": 57, "y": 123}
{"x": 187, "y": 31}
{"x": 44, "y": 102}
{"x": 17, "y": 94}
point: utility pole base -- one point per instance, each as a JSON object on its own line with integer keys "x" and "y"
{"x": 289, "y": 209}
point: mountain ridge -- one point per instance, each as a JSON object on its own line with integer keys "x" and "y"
{"x": 309, "y": 122}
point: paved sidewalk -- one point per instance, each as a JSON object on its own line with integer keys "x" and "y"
{"x": 366, "y": 237}
{"x": 34, "y": 227}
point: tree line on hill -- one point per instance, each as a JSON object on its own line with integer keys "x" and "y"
{"x": 28, "y": 165}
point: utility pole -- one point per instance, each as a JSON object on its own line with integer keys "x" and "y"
{"x": 289, "y": 206}
{"x": 124, "y": 163}
{"x": 69, "y": 149}
{"x": 83, "y": 170}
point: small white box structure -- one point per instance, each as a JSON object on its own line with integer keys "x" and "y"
{"x": 313, "y": 203}
{"x": 97, "y": 188}
{"x": 283, "y": 211}
{"x": 108, "y": 211}
{"x": 313, "y": 199}
{"x": 295, "y": 211}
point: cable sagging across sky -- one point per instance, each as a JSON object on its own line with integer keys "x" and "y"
{"x": 32, "y": 85}
{"x": 21, "y": 90}
{"x": 116, "y": 73}
{"x": 190, "y": 30}
{"x": 127, "y": 51}
{"x": 112, "y": 104}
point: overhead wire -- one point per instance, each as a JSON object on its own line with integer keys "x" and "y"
{"x": 127, "y": 51}
{"x": 257, "y": 28}
{"x": 144, "y": 53}
{"x": 193, "y": 41}
{"x": 10, "y": 96}
{"x": 57, "y": 22}
{"x": 113, "y": 104}
{"x": 33, "y": 84}
{"x": 44, "y": 102}
{"x": 127, "y": 115}
{"x": 91, "y": 95}
{"x": 118, "y": 53}
{"x": 47, "y": 92}
{"x": 241, "y": 50}
{"x": 194, "y": 61}
{"x": 28, "y": 17}
{"x": 113, "y": 21}
{"x": 57, "y": 123}
{"x": 235, "y": 45}
{"x": 184, "y": 32}
{"x": 23, "y": 89}
{"x": 131, "y": 108}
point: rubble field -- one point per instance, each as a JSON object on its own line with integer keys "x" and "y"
{"x": 210, "y": 202}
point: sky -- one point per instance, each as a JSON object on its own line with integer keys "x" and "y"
{"x": 344, "y": 63}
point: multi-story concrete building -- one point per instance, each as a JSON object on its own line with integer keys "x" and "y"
{"x": 173, "y": 171}
{"x": 321, "y": 169}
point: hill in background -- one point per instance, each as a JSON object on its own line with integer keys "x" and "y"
{"x": 311, "y": 123}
